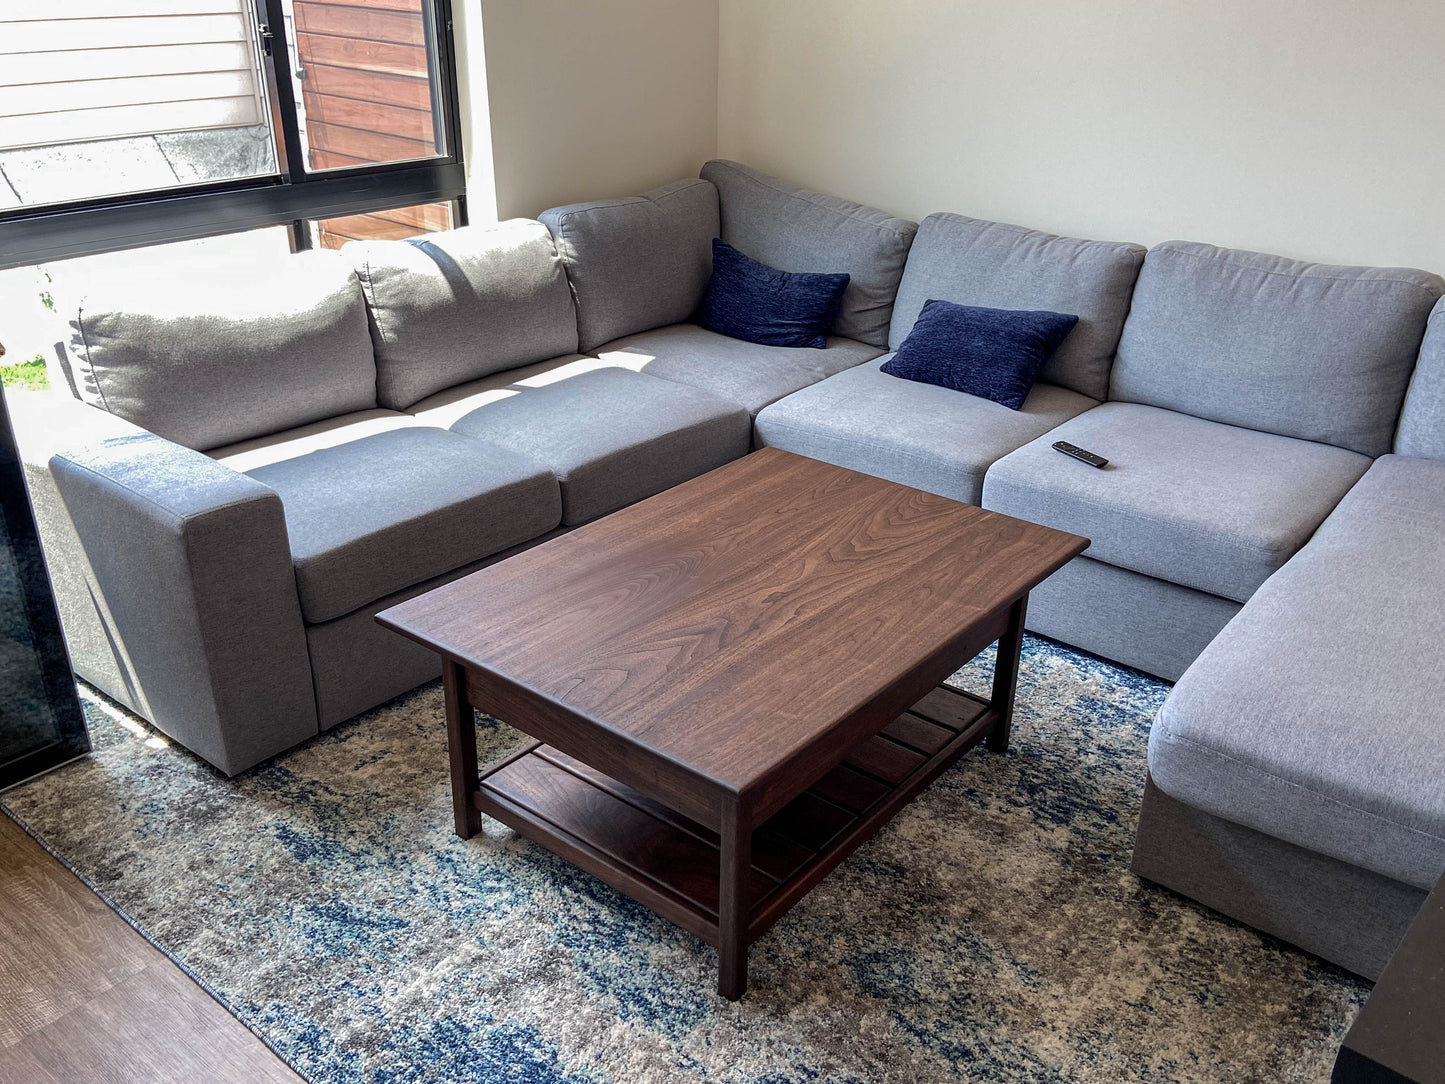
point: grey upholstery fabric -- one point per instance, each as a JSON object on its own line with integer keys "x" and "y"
{"x": 357, "y": 664}
{"x": 793, "y": 229}
{"x": 612, "y": 436}
{"x": 636, "y": 263}
{"x": 741, "y": 372}
{"x": 992, "y": 264}
{"x": 208, "y": 359}
{"x": 247, "y": 455}
{"x": 1147, "y": 623}
{"x": 1348, "y": 915}
{"x": 1316, "y": 715}
{"x": 1209, "y": 506}
{"x": 915, "y": 434}
{"x": 445, "y": 408}
{"x": 381, "y": 512}
{"x": 1422, "y": 420}
{"x": 1305, "y": 350}
{"x": 188, "y": 569}
{"x": 449, "y": 307}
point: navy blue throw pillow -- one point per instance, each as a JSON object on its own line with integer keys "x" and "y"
{"x": 992, "y": 353}
{"x": 760, "y": 304}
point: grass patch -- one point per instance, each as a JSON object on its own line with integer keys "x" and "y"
{"x": 29, "y": 375}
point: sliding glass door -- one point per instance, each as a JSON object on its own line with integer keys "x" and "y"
{"x": 41, "y": 724}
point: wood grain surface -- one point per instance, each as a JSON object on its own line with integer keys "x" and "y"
{"x": 723, "y": 635}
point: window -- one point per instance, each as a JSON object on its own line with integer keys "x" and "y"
{"x": 389, "y": 225}
{"x": 133, "y": 122}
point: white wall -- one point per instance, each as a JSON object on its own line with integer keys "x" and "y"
{"x": 591, "y": 99}
{"x": 1311, "y": 128}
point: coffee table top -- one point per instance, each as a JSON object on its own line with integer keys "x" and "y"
{"x": 728, "y": 626}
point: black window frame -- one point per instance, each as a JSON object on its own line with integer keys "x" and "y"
{"x": 32, "y": 235}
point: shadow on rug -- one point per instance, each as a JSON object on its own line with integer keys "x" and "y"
{"x": 992, "y": 932}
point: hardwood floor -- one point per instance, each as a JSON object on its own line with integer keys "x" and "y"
{"x": 83, "y": 997}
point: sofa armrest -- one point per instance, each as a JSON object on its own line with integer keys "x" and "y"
{"x": 178, "y": 587}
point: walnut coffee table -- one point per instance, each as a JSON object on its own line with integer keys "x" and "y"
{"x": 733, "y": 684}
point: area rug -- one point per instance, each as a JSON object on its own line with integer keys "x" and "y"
{"x": 992, "y": 932}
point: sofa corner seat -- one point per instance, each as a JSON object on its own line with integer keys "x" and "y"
{"x": 745, "y": 373}
{"x": 1313, "y": 722}
{"x": 920, "y": 435}
{"x": 1213, "y": 507}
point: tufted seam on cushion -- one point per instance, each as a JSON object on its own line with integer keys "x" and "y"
{"x": 1266, "y": 773}
{"x": 687, "y": 184}
{"x": 1229, "y": 258}
{"x": 368, "y": 291}
{"x": 677, "y": 187}
{"x": 817, "y": 199}
{"x": 85, "y": 342}
{"x": 892, "y": 449}
{"x": 600, "y": 205}
{"x": 1134, "y": 248}
{"x": 1267, "y": 548}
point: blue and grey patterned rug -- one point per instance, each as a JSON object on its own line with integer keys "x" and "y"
{"x": 992, "y": 932}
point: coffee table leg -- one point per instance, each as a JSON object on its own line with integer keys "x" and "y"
{"x": 736, "y": 846}
{"x": 1006, "y": 676}
{"x": 462, "y": 749}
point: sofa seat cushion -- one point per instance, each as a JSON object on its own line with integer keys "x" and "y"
{"x": 375, "y": 504}
{"x": 742, "y": 372}
{"x": 916, "y": 434}
{"x": 610, "y": 435}
{"x": 1315, "y": 716}
{"x": 1197, "y": 503}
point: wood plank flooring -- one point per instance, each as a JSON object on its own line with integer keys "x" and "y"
{"x": 83, "y": 997}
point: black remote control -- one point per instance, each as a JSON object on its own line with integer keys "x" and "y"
{"x": 1079, "y": 454}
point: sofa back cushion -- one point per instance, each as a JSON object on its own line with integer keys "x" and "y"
{"x": 1422, "y": 420}
{"x": 636, "y": 263}
{"x": 209, "y": 356}
{"x": 793, "y": 229}
{"x": 1305, "y": 350}
{"x": 994, "y": 265}
{"x": 450, "y": 307}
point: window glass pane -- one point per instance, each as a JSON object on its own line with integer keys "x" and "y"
{"x": 35, "y": 302}
{"x": 383, "y": 225}
{"x": 109, "y": 97}
{"x": 364, "y": 78}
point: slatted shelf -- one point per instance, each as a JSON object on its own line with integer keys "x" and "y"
{"x": 670, "y": 863}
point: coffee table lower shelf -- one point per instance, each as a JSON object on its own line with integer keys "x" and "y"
{"x": 670, "y": 864}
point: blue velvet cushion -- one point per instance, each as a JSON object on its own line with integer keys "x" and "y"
{"x": 992, "y": 353}
{"x": 760, "y": 304}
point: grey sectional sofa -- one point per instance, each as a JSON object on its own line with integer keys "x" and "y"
{"x": 251, "y": 466}
{"x": 244, "y": 476}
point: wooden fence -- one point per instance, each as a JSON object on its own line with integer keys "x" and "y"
{"x": 366, "y": 95}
